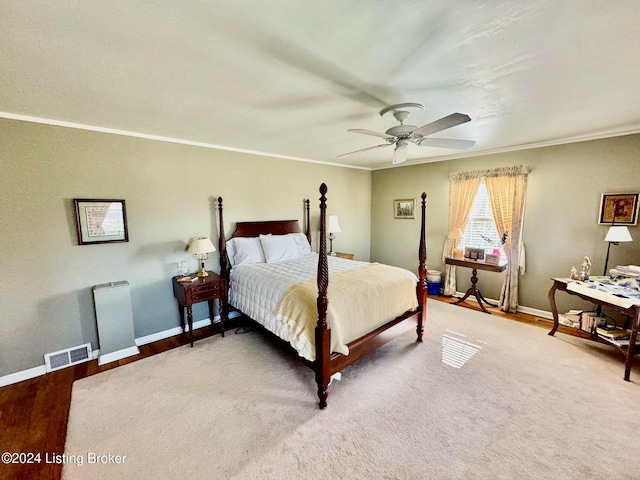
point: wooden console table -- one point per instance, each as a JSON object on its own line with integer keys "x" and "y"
{"x": 475, "y": 265}
{"x": 600, "y": 298}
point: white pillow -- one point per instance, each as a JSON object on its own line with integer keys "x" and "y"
{"x": 245, "y": 250}
{"x": 278, "y": 248}
{"x": 302, "y": 243}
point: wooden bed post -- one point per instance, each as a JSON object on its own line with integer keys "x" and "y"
{"x": 222, "y": 244}
{"x": 307, "y": 229}
{"x": 323, "y": 333}
{"x": 422, "y": 273}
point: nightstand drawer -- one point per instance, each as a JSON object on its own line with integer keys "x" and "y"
{"x": 205, "y": 292}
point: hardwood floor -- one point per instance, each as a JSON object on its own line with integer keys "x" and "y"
{"x": 34, "y": 413}
{"x": 33, "y": 419}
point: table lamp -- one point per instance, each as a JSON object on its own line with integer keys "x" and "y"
{"x": 333, "y": 227}
{"x": 200, "y": 247}
{"x": 456, "y": 234}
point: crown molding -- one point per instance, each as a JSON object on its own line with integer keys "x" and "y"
{"x": 158, "y": 138}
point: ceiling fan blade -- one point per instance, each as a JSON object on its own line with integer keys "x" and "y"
{"x": 445, "y": 122}
{"x": 371, "y": 132}
{"x": 446, "y": 143}
{"x": 365, "y": 149}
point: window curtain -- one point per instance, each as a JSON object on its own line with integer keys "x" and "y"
{"x": 507, "y": 188}
{"x": 463, "y": 187}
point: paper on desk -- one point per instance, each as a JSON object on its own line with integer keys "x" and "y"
{"x": 593, "y": 292}
{"x": 628, "y": 270}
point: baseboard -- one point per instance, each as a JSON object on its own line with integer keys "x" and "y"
{"x": 118, "y": 355}
{"x": 536, "y": 312}
{"x": 528, "y": 310}
{"x": 154, "y": 337}
{"x": 22, "y": 375}
{"x": 41, "y": 370}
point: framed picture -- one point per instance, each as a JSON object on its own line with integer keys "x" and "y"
{"x": 474, "y": 253}
{"x": 491, "y": 259}
{"x": 100, "y": 221}
{"x": 619, "y": 208}
{"x": 404, "y": 208}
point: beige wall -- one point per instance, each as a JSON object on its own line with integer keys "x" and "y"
{"x": 170, "y": 193}
{"x": 564, "y": 191}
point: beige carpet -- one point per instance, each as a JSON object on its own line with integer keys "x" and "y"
{"x": 524, "y": 405}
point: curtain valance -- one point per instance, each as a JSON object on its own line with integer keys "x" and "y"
{"x": 492, "y": 172}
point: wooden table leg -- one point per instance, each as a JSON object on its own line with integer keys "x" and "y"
{"x": 632, "y": 345}
{"x": 554, "y": 309}
{"x": 190, "y": 320}
{"x": 485, "y": 300}
{"x": 473, "y": 290}
{"x": 221, "y": 310}
{"x": 222, "y": 307}
{"x": 211, "y": 316}
{"x": 181, "y": 312}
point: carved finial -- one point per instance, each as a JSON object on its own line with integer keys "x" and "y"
{"x": 219, "y": 201}
{"x": 323, "y": 188}
{"x": 424, "y": 195}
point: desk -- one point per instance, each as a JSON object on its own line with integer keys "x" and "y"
{"x": 475, "y": 265}
{"x": 204, "y": 289}
{"x": 632, "y": 311}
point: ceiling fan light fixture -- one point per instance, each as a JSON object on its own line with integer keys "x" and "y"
{"x": 400, "y": 152}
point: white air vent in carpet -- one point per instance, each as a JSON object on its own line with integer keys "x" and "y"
{"x": 65, "y": 358}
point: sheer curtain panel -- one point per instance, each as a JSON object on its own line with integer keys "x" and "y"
{"x": 462, "y": 190}
{"x": 507, "y": 189}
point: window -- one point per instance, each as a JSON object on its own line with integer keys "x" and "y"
{"x": 480, "y": 231}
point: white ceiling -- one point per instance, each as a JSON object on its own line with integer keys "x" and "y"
{"x": 290, "y": 77}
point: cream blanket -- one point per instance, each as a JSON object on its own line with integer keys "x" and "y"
{"x": 360, "y": 300}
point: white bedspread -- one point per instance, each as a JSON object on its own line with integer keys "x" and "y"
{"x": 257, "y": 290}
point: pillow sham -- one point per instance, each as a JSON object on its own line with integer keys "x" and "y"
{"x": 301, "y": 242}
{"x": 245, "y": 250}
{"x": 278, "y": 248}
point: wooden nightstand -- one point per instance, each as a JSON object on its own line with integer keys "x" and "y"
{"x": 348, "y": 256}
{"x": 204, "y": 289}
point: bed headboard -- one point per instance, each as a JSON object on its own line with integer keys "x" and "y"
{"x": 255, "y": 229}
{"x": 274, "y": 227}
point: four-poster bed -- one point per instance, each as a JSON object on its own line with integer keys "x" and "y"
{"x": 269, "y": 270}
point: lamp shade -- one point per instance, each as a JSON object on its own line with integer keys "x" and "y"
{"x": 456, "y": 234}
{"x": 201, "y": 245}
{"x": 334, "y": 226}
{"x": 400, "y": 153}
{"x": 618, "y": 234}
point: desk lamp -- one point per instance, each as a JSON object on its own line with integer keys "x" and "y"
{"x": 615, "y": 235}
{"x": 200, "y": 247}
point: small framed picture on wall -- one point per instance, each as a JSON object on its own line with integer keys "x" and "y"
{"x": 404, "y": 208}
{"x": 100, "y": 221}
{"x": 619, "y": 209}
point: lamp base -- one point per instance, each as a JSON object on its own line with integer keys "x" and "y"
{"x": 202, "y": 272}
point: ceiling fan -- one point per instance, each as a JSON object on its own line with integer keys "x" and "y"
{"x": 402, "y": 134}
